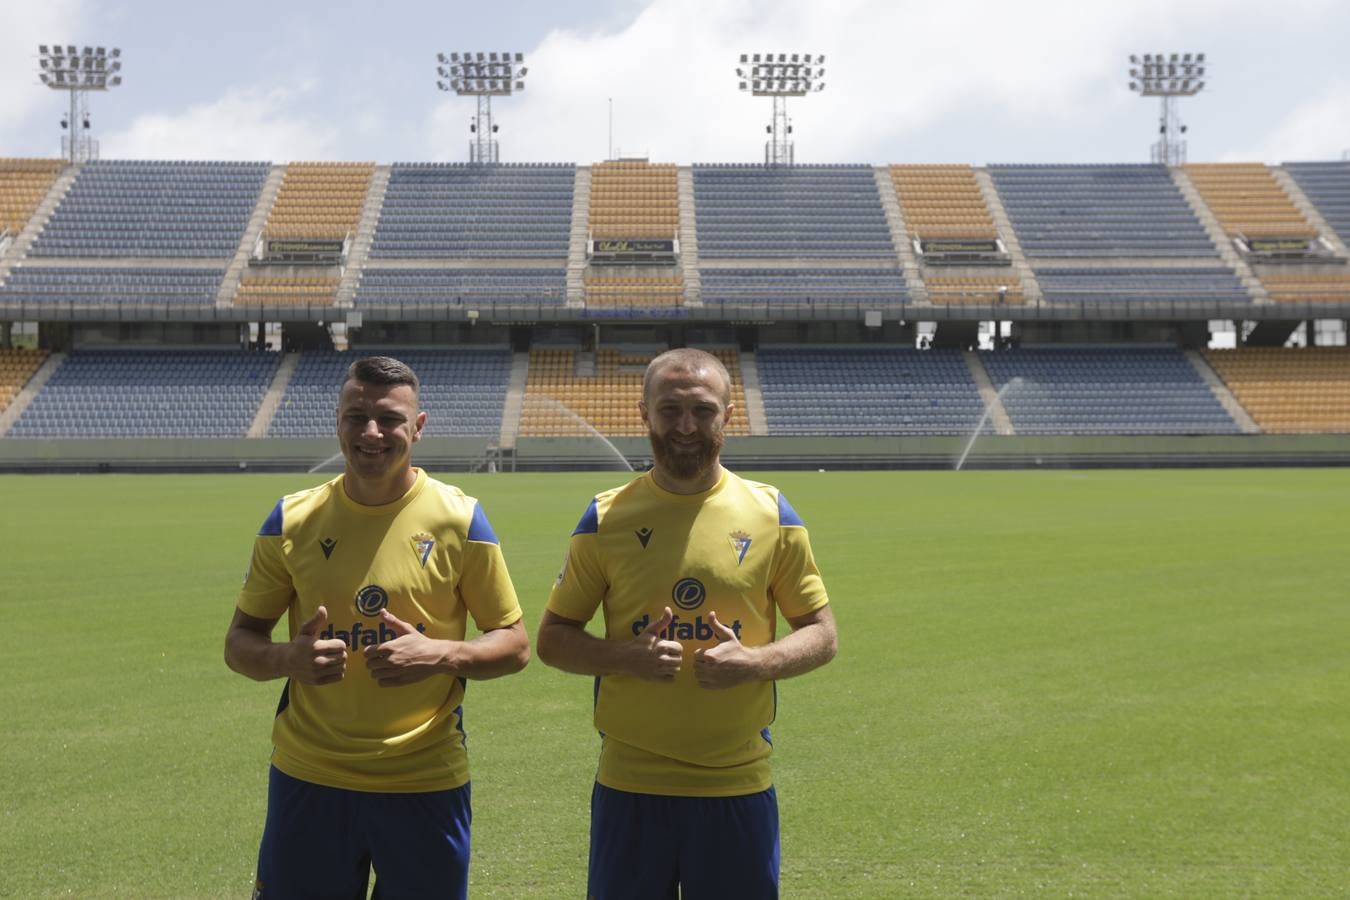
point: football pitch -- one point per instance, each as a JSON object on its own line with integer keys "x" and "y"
{"x": 1049, "y": 684}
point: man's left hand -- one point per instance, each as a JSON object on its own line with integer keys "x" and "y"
{"x": 728, "y": 664}
{"x": 410, "y": 657}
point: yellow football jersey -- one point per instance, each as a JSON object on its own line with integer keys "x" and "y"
{"x": 737, "y": 549}
{"x": 431, "y": 558}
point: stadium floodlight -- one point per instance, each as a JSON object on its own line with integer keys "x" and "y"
{"x": 483, "y": 75}
{"x": 780, "y": 76}
{"x": 1169, "y": 77}
{"x": 77, "y": 71}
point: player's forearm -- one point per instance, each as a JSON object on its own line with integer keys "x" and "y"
{"x": 502, "y": 651}
{"x": 804, "y": 649}
{"x": 572, "y": 649}
{"x": 255, "y": 655}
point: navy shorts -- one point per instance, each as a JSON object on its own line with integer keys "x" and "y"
{"x": 321, "y": 842}
{"x": 652, "y": 847}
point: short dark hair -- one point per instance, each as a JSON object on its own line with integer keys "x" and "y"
{"x": 382, "y": 370}
{"x": 687, "y": 359}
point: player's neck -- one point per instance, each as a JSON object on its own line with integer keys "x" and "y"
{"x": 704, "y": 481}
{"x": 379, "y": 492}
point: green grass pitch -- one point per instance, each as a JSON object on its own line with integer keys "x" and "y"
{"x": 1091, "y": 684}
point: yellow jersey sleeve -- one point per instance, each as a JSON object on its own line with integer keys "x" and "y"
{"x": 796, "y": 585}
{"x": 486, "y": 587}
{"x": 268, "y": 589}
{"x": 581, "y": 584}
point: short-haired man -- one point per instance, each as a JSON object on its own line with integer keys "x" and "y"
{"x": 378, "y": 571}
{"x": 692, "y": 565}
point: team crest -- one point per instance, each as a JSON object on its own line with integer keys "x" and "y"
{"x": 422, "y": 545}
{"x": 740, "y": 542}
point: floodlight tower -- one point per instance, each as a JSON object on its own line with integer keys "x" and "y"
{"x": 66, "y": 68}
{"x": 1168, "y": 77}
{"x": 482, "y": 75}
{"x": 780, "y": 75}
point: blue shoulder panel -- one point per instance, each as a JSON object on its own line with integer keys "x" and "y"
{"x": 786, "y": 514}
{"x": 272, "y": 527}
{"x": 480, "y": 529}
{"x": 590, "y": 521}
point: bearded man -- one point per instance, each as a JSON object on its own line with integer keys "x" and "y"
{"x": 692, "y": 565}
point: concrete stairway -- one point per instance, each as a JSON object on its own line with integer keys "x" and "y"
{"x": 515, "y": 401}
{"x": 267, "y": 410}
{"x": 29, "y": 392}
{"x": 1227, "y": 252}
{"x": 23, "y": 241}
{"x": 576, "y": 245}
{"x": 895, "y": 220}
{"x": 1031, "y": 289}
{"x": 754, "y": 396}
{"x": 992, "y": 402}
{"x": 693, "y": 283}
{"x": 229, "y": 285}
{"x": 1221, "y": 393}
{"x": 1305, "y": 206}
{"x": 365, "y": 236}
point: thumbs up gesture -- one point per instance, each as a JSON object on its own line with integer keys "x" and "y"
{"x": 727, "y": 664}
{"x": 312, "y": 660}
{"x": 652, "y": 658}
{"x": 407, "y": 658}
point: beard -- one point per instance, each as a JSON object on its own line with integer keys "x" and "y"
{"x": 686, "y": 463}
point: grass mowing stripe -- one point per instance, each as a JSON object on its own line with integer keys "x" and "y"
{"x": 1050, "y": 683}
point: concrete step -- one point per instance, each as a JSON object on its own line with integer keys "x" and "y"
{"x": 754, "y": 396}
{"x": 992, "y": 401}
{"x": 267, "y": 410}
{"x": 1221, "y": 393}
{"x": 23, "y": 241}
{"x": 1311, "y": 212}
{"x": 29, "y": 392}
{"x": 576, "y": 245}
{"x": 1031, "y": 289}
{"x": 1227, "y": 252}
{"x": 365, "y": 236}
{"x": 515, "y": 400}
{"x": 895, "y": 221}
{"x": 229, "y": 285}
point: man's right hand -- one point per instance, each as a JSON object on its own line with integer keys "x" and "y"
{"x": 651, "y": 657}
{"x": 314, "y": 661}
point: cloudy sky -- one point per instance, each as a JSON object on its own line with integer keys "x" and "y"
{"x": 975, "y": 81}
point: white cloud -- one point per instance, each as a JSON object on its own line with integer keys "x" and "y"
{"x": 23, "y": 26}
{"x": 1317, "y": 128}
{"x": 895, "y": 69}
{"x": 245, "y": 124}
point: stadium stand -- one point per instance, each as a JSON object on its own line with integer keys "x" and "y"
{"x": 463, "y": 391}
{"x": 16, "y": 367}
{"x": 975, "y": 289}
{"x": 1323, "y": 288}
{"x": 867, "y": 391}
{"x": 800, "y": 287}
{"x": 286, "y": 290}
{"x": 1103, "y": 390}
{"x": 1207, "y": 284}
{"x": 456, "y": 210}
{"x": 1247, "y": 200}
{"x": 150, "y": 393}
{"x": 942, "y": 201}
{"x": 154, "y": 209}
{"x": 23, "y": 184}
{"x": 634, "y": 199}
{"x": 319, "y": 200}
{"x": 1099, "y": 211}
{"x": 806, "y": 212}
{"x": 606, "y": 398}
{"x": 60, "y": 285}
{"x": 1327, "y": 185}
{"x": 459, "y": 287}
{"x": 1289, "y": 391}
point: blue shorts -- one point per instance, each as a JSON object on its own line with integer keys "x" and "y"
{"x": 652, "y": 847}
{"x": 321, "y": 842}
